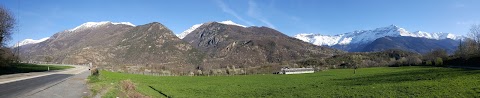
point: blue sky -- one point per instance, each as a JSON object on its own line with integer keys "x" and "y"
{"x": 43, "y": 18}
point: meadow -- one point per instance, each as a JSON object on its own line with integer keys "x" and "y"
{"x": 367, "y": 82}
{"x": 25, "y": 68}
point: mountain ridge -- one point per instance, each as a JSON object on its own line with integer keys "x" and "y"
{"x": 252, "y": 47}
{"x": 148, "y": 48}
{"x": 414, "y": 44}
{"x": 194, "y": 27}
{"x": 366, "y": 36}
{"x": 87, "y": 25}
{"x": 29, "y": 41}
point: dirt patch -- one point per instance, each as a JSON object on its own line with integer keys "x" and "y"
{"x": 129, "y": 90}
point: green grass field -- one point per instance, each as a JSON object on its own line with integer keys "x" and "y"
{"x": 367, "y": 82}
{"x": 24, "y": 68}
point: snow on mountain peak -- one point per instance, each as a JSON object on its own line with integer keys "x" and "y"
{"x": 188, "y": 31}
{"x": 304, "y": 37}
{"x": 394, "y": 26}
{"x": 125, "y": 23}
{"x": 229, "y": 22}
{"x": 29, "y": 41}
{"x": 194, "y": 27}
{"x": 366, "y": 36}
{"x": 96, "y": 24}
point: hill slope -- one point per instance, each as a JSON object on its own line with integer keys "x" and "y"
{"x": 419, "y": 45}
{"x": 232, "y": 45}
{"x": 146, "y": 48}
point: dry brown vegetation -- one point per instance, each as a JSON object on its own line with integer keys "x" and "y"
{"x": 129, "y": 90}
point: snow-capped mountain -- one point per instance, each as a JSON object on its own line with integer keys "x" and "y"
{"x": 189, "y": 30}
{"x": 229, "y": 22}
{"x": 29, "y": 41}
{"x": 367, "y": 36}
{"x": 80, "y": 27}
{"x": 96, "y": 24}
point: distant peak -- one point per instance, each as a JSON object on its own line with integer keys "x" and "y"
{"x": 30, "y": 41}
{"x": 194, "y": 27}
{"x": 420, "y": 32}
{"x": 305, "y": 34}
{"x": 393, "y": 26}
{"x": 96, "y": 24}
{"x": 390, "y": 27}
{"x": 188, "y": 31}
{"x": 155, "y": 24}
{"x": 125, "y": 23}
{"x": 366, "y": 36}
{"x": 229, "y": 22}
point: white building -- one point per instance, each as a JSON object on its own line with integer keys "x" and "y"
{"x": 296, "y": 70}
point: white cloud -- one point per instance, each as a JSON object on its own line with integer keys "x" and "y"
{"x": 255, "y": 13}
{"x": 227, "y": 9}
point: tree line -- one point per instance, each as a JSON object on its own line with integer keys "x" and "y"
{"x": 7, "y": 24}
{"x": 468, "y": 52}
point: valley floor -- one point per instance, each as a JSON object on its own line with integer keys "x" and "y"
{"x": 367, "y": 82}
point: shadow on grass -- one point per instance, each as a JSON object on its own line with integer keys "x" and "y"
{"x": 160, "y": 92}
{"x": 405, "y": 76}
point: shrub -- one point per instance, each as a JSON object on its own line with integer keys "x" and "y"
{"x": 428, "y": 63}
{"x": 94, "y": 72}
{"x": 129, "y": 89}
{"x": 413, "y": 60}
{"x": 438, "y": 61}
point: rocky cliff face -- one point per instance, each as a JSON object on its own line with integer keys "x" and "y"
{"x": 156, "y": 46}
{"x": 64, "y": 46}
{"x": 145, "y": 48}
{"x": 153, "y": 48}
{"x": 230, "y": 45}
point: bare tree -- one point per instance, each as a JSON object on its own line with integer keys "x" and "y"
{"x": 7, "y": 23}
{"x": 413, "y": 60}
{"x": 48, "y": 59}
{"x": 467, "y": 48}
{"x": 475, "y": 33}
{"x": 436, "y": 53}
{"x": 471, "y": 45}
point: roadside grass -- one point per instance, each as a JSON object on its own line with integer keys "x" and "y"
{"x": 367, "y": 82}
{"x": 25, "y": 68}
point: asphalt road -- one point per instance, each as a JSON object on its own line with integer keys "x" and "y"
{"x": 19, "y": 88}
{"x": 70, "y": 83}
{"x": 73, "y": 87}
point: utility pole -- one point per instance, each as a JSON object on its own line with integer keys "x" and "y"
{"x": 16, "y": 52}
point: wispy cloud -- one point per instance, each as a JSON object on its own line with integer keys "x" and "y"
{"x": 225, "y": 8}
{"x": 254, "y": 12}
